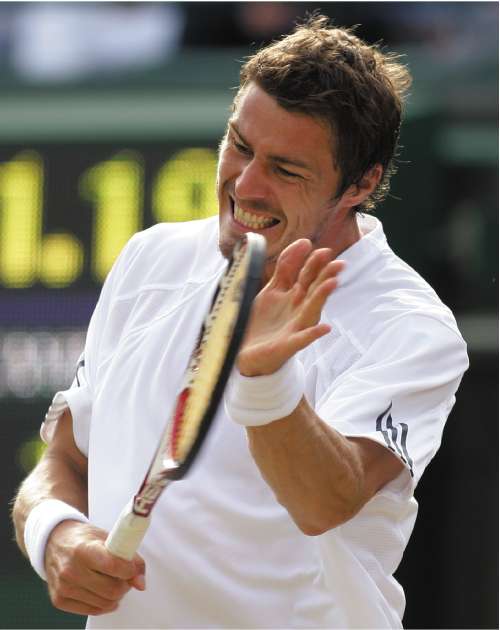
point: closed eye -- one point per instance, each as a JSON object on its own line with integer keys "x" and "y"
{"x": 286, "y": 173}
{"x": 241, "y": 147}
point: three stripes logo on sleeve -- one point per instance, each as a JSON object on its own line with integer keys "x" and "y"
{"x": 395, "y": 436}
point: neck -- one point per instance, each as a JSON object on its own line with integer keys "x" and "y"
{"x": 338, "y": 233}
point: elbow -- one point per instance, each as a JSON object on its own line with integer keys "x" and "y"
{"x": 326, "y": 512}
{"x": 322, "y": 521}
{"x": 315, "y": 529}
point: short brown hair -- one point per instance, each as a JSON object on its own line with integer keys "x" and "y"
{"x": 334, "y": 76}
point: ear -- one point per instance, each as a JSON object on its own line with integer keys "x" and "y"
{"x": 357, "y": 193}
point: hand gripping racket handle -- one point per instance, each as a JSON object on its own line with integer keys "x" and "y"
{"x": 128, "y": 531}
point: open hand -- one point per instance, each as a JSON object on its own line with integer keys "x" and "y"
{"x": 286, "y": 313}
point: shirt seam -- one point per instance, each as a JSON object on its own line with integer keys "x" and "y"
{"x": 163, "y": 287}
{"x": 151, "y": 322}
{"x": 351, "y": 337}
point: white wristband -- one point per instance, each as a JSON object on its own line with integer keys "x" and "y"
{"x": 40, "y": 522}
{"x": 254, "y": 401}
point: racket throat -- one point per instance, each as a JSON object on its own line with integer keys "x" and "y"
{"x": 148, "y": 495}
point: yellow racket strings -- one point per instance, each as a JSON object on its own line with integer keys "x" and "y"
{"x": 207, "y": 362}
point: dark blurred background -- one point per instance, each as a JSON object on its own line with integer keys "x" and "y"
{"x": 110, "y": 114}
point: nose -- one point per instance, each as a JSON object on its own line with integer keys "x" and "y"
{"x": 251, "y": 183}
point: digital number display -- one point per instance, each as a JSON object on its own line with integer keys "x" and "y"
{"x": 65, "y": 216}
{"x": 66, "y": 211}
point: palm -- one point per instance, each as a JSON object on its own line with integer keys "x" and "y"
{"x": 286, "y": 312}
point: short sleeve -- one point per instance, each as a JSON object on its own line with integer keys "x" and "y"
{"x": 78, "y": 399}
{"x": 79, "y": 396}
{"x": 400, "y": 392}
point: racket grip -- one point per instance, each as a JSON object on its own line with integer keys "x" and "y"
{"x": 128, "y": 531}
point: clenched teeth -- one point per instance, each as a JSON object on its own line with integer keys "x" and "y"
{"x": 252, "y": 220}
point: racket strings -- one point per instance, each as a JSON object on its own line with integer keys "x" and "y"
{"x": 207, "y": 361}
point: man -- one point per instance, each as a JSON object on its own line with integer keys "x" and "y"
{"x": 343, "y": 383}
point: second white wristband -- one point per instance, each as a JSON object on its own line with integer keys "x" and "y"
{"x": 258, "y": 400}
{"x": 40, "y": 522}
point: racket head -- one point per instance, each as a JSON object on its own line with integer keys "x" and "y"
{"x": 215, "y": 352}
{"x": 243, "y": 276}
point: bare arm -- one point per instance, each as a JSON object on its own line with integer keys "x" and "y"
{"x": 82, "y": 576}
{"x": 321, "y": 477}
{"x": 61, "y": 474}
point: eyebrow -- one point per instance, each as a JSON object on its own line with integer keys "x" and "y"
{"x": 275, "y": 158}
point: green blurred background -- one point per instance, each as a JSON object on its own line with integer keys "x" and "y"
{"x": 110, "y": 115}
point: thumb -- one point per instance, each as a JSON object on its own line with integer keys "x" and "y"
{"x": 138, "y": 581}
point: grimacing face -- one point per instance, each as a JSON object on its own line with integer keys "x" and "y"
{"x": 276, "y": 176}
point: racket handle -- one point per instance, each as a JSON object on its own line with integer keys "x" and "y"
{"x": 128, "y": 531}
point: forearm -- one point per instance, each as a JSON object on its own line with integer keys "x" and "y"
{"x": 315, "y": 473}
{"x": 55, "y": 477}
{"x": 321, "y": 477}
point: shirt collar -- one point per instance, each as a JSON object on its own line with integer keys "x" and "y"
{"x": 364, "y": 251}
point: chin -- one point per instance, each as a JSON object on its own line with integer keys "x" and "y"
{"x": 226, "y": 247}
{"x": 227, "y": 242}
{"x": 227, "y": 236}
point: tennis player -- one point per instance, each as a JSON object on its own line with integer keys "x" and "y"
{"x": 299, "y": 508}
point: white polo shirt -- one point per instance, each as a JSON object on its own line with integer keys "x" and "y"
{"x": 221, "y": 552}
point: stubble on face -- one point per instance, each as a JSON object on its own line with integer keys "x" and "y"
{"x": 269, "y": 131}
{"x": 316, "y": 237}
{"x": 227, "y": 241}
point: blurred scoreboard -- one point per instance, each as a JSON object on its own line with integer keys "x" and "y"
{"x": 66, "y": 211}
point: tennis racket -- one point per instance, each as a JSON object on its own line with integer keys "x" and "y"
{"x": 201, "y": 391}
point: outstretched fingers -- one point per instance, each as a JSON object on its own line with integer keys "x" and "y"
{"x": 316, "y": 262}
{"x": 289, "y": 264}
{"x": 312, "y": 305}
{"x": 318, "y": 293}
{"x": 313, "y": 299}
{"x": 307, "y": 326}
{"x": 287, "y": 312}
{"x": 302, "y": 338}
{"x": 329, "y": 270}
